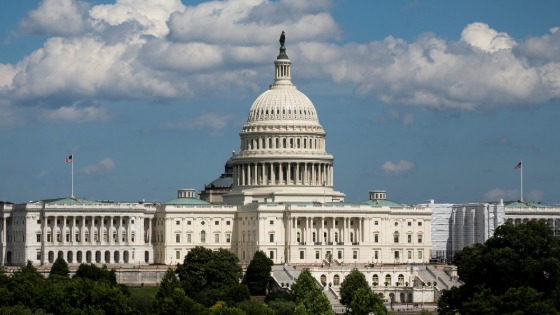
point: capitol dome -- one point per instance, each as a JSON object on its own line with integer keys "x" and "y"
{"x": 283, "y": 155}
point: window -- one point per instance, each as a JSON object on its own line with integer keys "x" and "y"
{"x": 376, "y": 238}
{"x": 396, "y": 237}
{"x": 188, "y": 222}
{"x": 177, "y": 238}
{"x": 419, "y": 223}
{"x": 420, "y": 254}
{"x": 228, "y": 222}
{"x": 409, "y": 254}
{"x": 314, "y": 237}
{"x": 375, "y": 279}
{"x": 298, "y": 237}
{"x": 336, "y": 280}
{"x": 38, "y": 221}
{"x": 58, "y": 237}
{"x": 397, "y": 254}
{"x": 178, "y": 254}
{"x": 216, "y": 238}
{"x": 216, "y": 222}
{"x": 132, "y": 221}
{"x": 352, "y": 237}
{"x": 336, "y": 237}
{"x": 95, "y": 237}
{"x": 271, "y": 222}
{"x": 228, "y": 238}
{"x": 271, "y": 254}
{"x": 49, "y": 237}
{"x": 301, "y": 254}
{"x": 376, "y": 254}
{"x": 409, "y": 238}
{"x": 271, "y": 237}
{"x": 317, "y": 255}
{"x": 77, "y": 238}
{"x": 38, "y": 238}
{"x": 376, "y": 222}
{"x": 123, "y": 237}
{"x": 202, "y": 223}
{"x": 114, "y": 236}
{"x": 419, "y": 238}
{"x": 203, "y": 237}
{"x": 177, "y": 222}
{"x": 189, "y": 238}
{"x": 105, "y": 236}
{"x": 355, "y": 254}
{"x": 123, "y": 222}
{"x": 132, "y": 237}
{"x": 409, "y": 223}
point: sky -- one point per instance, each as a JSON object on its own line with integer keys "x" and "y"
{"x": 425, "y": 99}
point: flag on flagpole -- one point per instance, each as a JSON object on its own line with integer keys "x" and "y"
{"x": 517, "y": 166}
{"x": 69, "y": 159}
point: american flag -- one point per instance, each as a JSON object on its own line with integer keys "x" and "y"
{"x": 69, "y": 159}
{"x": 518, "y": 166}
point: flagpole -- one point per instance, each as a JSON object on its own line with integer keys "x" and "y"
{"x": 72, "y": 162}
{"x": 521, "y": 169}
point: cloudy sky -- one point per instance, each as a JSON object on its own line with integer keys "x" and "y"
{"x": 426, "y": 99}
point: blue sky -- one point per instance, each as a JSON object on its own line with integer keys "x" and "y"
{"x": 426, "y": 99}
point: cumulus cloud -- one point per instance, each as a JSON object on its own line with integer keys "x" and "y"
{"x": 77, "y": 114}
{"x": 499, "y": 193}
{"x": 213, "y": 121}
{"x": 57, "y": 17}
{"x": 158, "y": 50}
{"x": 104, "y": 166}
{"x": 396, "y": 168}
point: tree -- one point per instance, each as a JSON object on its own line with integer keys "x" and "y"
{"x": 92, "y": 272}
{"x": 209, "y": 277}
{"x": 59, "y": 269}
{"x": 518, "y": 259}
{"x": 352, "y": 282}
{"x": 365, "y": 301}
{"x": 308, "y": 297}
{"x": 257, "y": 276}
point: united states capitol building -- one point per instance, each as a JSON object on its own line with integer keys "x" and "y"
{"x": 277, "y": 195}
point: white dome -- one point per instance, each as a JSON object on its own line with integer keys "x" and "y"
{"x": 282, "y": 103}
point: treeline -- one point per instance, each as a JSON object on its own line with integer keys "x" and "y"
{"x": 207, "y": 283}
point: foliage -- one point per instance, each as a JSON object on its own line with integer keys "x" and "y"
{"x": 171, "y": 299}
{"x": 282, "y": 307}
{"x": 365, "y": 301}
{"x": 516, "y": 270}
{"x": 308, "y": 297}
{"x": 208, "y": 276}
{"x": 352, "y": 282}
{"x": 59, "y": 270}
{"x": 255, "y": 308}
{"x": 257, "y": 276}
{"x": 92, "y": 272}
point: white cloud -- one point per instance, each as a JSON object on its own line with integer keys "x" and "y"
{"x": 104, "y": 166}
{"x": 397, "y": 168}
{"x": 534, "y": 195}
{"x": 481, "y": 36}
{"x": 59, "y": 17}
{"x": 213, "y": 121}
{"x": 499, "y": 193}
{"x": 77, "y": 114}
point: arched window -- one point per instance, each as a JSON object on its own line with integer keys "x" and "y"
{"x": 396, "y": 237}
{"x": 401, "y": 279}
{"x": 336, "y": 280}
{"x": 323, "y": 280}
{"x": 375, "y": 280}
{"x": 203, "y": 237}
{"x": 388, "y": 280}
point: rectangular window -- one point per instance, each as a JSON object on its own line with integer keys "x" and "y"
{"x": 95, "y": 237}
{"x": 419, "y": 238}
{"x": 228, "y": 222}
{"x": 123, "y": 237}
{"x": 188, "y": 222}
{"x": 339, "y": 254}
{"x": 58, "y": 237}
{"x": 317, "y": 255}
{"x": 178, "y": 254}
{"x": 271, "y": 254}
{"x": 105, "y": 236}
{"x": 409, "y": 254}
{"x": 420, "y": 254}
{"x": 38, "y": 221}
{"x": 355, "y": 254}
{"x": 216, "y": 222}
{"x": 271, "y": 222}
{"x": 67, "y": 237}
{"x": 271, "y": 236}
{"x": 216, "y": 238}
{"x": 38, "y": 254}
{"x": 376, "y": 222}
{"x": 77, "y": 237}
{"x": 177, "y": 238}
{"x": 189, "y": 238}
{"x": 301, "y": 254}
{"x": 376, "y": 255}
{"x": 38, "y": 238}
{"x": 397, "y": 254}
{"x": 409, "y": 223}
{"x": 228, "y": 238}
{"x": 376, "y": 238}
{"x": 177, "y": 222}
{"x": 132, "y": 221}
{"x": 419, "y": 223}
{"x": 49, "y": 237}
{"x": 123, "y": 222}
{"x": 409, "y": 238}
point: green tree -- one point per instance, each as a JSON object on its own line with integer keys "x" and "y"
{"x": 208, "y": 276}
{"x": 282, "y": 307}
{"x": 308, "y": 297}
{"x": 27, "y": 287}
{"x": 257, "y": 276}
{"x": 352, "y": 282}
{"x": 59, "y": 269}
{"x": 255, "y": 308}
{"x": 365, "y": 301}
{"x": 92, "y": 272}
{"x": 518, "y": 259}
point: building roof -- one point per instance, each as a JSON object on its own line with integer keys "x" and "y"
{"x": 187, "y": 201}
{"x": 71, "y": 201}
{"x": 382, "y": 203}
{"x": 524, "y": 204}
{"x": 224, "y": 181}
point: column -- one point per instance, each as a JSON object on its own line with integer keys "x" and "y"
{"x": 110, "y": 232}
{"x": 297, "y": 179}
{"x": 322, "y": 231}
{"x": 280, "y": 173}
{"x": 289, "y": 174}
{"x": 63, "y": 232}
{"x": 249, "y": 179}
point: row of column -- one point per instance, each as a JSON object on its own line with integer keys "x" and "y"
{"x": 283, "y": 173}
{"x": 312, "y": 143}
{"x": 306, "y": 230}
